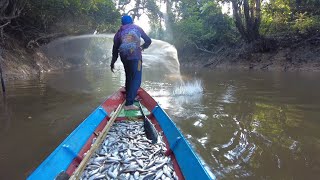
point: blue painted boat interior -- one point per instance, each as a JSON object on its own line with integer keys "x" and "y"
{"x": 60, "y": 159}
{"x": 190, "y": 164}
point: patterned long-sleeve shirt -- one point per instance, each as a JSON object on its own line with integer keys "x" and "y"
{"x": 127, "y": 42}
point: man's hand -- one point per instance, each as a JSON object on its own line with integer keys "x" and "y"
{"x": 112, "y": 67}
{"x": 114, "y": 59}
{"x": 142, "y": 48}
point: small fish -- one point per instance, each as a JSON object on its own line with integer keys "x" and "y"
{"x": 148, "y": 176}
{"x": 130, "y": 168}
{"x": 111, "y": 174}
{"x": 127, "y": 175}
{"x": 128, "y": 160}
{"x": 99, "y": 159}
{"x": 136, "y": 175}
{"x": 150, "y": 164}
{"x": 134, "y": 149}
{"x": 154, "y": 168}
{"x": 158, "y": 175}
{"x": 110, "y": 161}
{"x": 166, "y": 171}
{"x": 127, "y": 154}
{"x": 140, "y": 162}
{"x": 175, "y": 176}
{"x": 138, "y": 153}
{"x": 97, "y": 176}
{"x": 163, "y": 177}
{"x": 131, "y": 177}
{"x": 114, "y": 158}
{"x": 93, "y": 172}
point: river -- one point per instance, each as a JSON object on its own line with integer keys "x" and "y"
{"x": 261, "y": 125}
{"x": 244, "y": 125}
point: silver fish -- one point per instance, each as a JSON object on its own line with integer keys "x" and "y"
{"x": 111, "y": 174}
{"x": 136, "y": 175}
{"x": 163, "y": 177}
{"x": 126, "y": 153}
{"x": 140, "y": 162}
{"x": 148, "y": 176}
{"x": 158, "y": 175}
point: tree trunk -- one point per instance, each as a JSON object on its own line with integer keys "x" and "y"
{"x": 168, "y": 19}
{"x": 248, "y": 24}
{"x": 257, "y": 19}
{"x": 238, "y": 21}
{"x": 298, "y": 4}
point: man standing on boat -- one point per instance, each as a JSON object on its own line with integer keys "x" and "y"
{"x": 127, "y": 42}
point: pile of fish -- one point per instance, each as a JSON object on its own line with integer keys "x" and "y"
{"x": 128, "y": 154}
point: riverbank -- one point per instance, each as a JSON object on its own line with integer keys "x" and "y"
{"x": 284, "y": 55}
{"x": 20, "y": 62}
{"x": 27, "y": 25}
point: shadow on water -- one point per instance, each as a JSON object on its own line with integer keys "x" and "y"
{"x": 6, "y": 117}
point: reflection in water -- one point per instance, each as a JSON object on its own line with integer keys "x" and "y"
{"x": 5, "y": 119}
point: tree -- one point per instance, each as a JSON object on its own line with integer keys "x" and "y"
{"x": 199, "y": 25}
{"x": 138, "y": 7}
{"x": 280, "y": 17}
{"x": 9, "y": 10}
{"x": 247, "y": 17}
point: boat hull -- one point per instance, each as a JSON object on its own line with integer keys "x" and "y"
{"x": 68, "y": 155}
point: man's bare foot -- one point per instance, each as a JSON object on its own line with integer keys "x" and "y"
{"x": 131, "y": 107}
{"x": 123, "y": 89}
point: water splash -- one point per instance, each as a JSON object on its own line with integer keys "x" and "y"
{"x": 188, "y": 88}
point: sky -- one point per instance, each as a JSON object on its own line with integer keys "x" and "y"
{"x": 143, "y": 21}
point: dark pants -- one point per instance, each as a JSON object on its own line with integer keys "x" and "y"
{"x": 133, "y": 69}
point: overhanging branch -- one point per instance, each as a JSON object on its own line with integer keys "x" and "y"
{"x": 2, "y": 26}
{"x": 203, "y": 49}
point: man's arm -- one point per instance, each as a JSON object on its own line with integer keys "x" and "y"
{"x": 115, "y": 48}
{"x": 145, "y": 37}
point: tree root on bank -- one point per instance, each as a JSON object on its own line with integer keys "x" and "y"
{"x": 265, "y": 66}
{"x": 312, "y": 38}
{"x": 34, "y": 43}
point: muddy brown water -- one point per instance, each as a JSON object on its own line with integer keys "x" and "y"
{"x": 247, "y": 125}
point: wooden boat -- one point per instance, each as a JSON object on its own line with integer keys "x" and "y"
{"x": 70, "y": 153}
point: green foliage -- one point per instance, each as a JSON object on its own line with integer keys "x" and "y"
{"x": 71, "y": 16}
{"x": 184, "y": 22}
{"x": 202, "y": 25}
{"x": 275, "y": 17}
{"x": 285, "y": 16}
{"x": 304, "y": 23}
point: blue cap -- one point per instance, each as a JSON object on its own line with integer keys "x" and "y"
{"x": 126, "y": 20}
